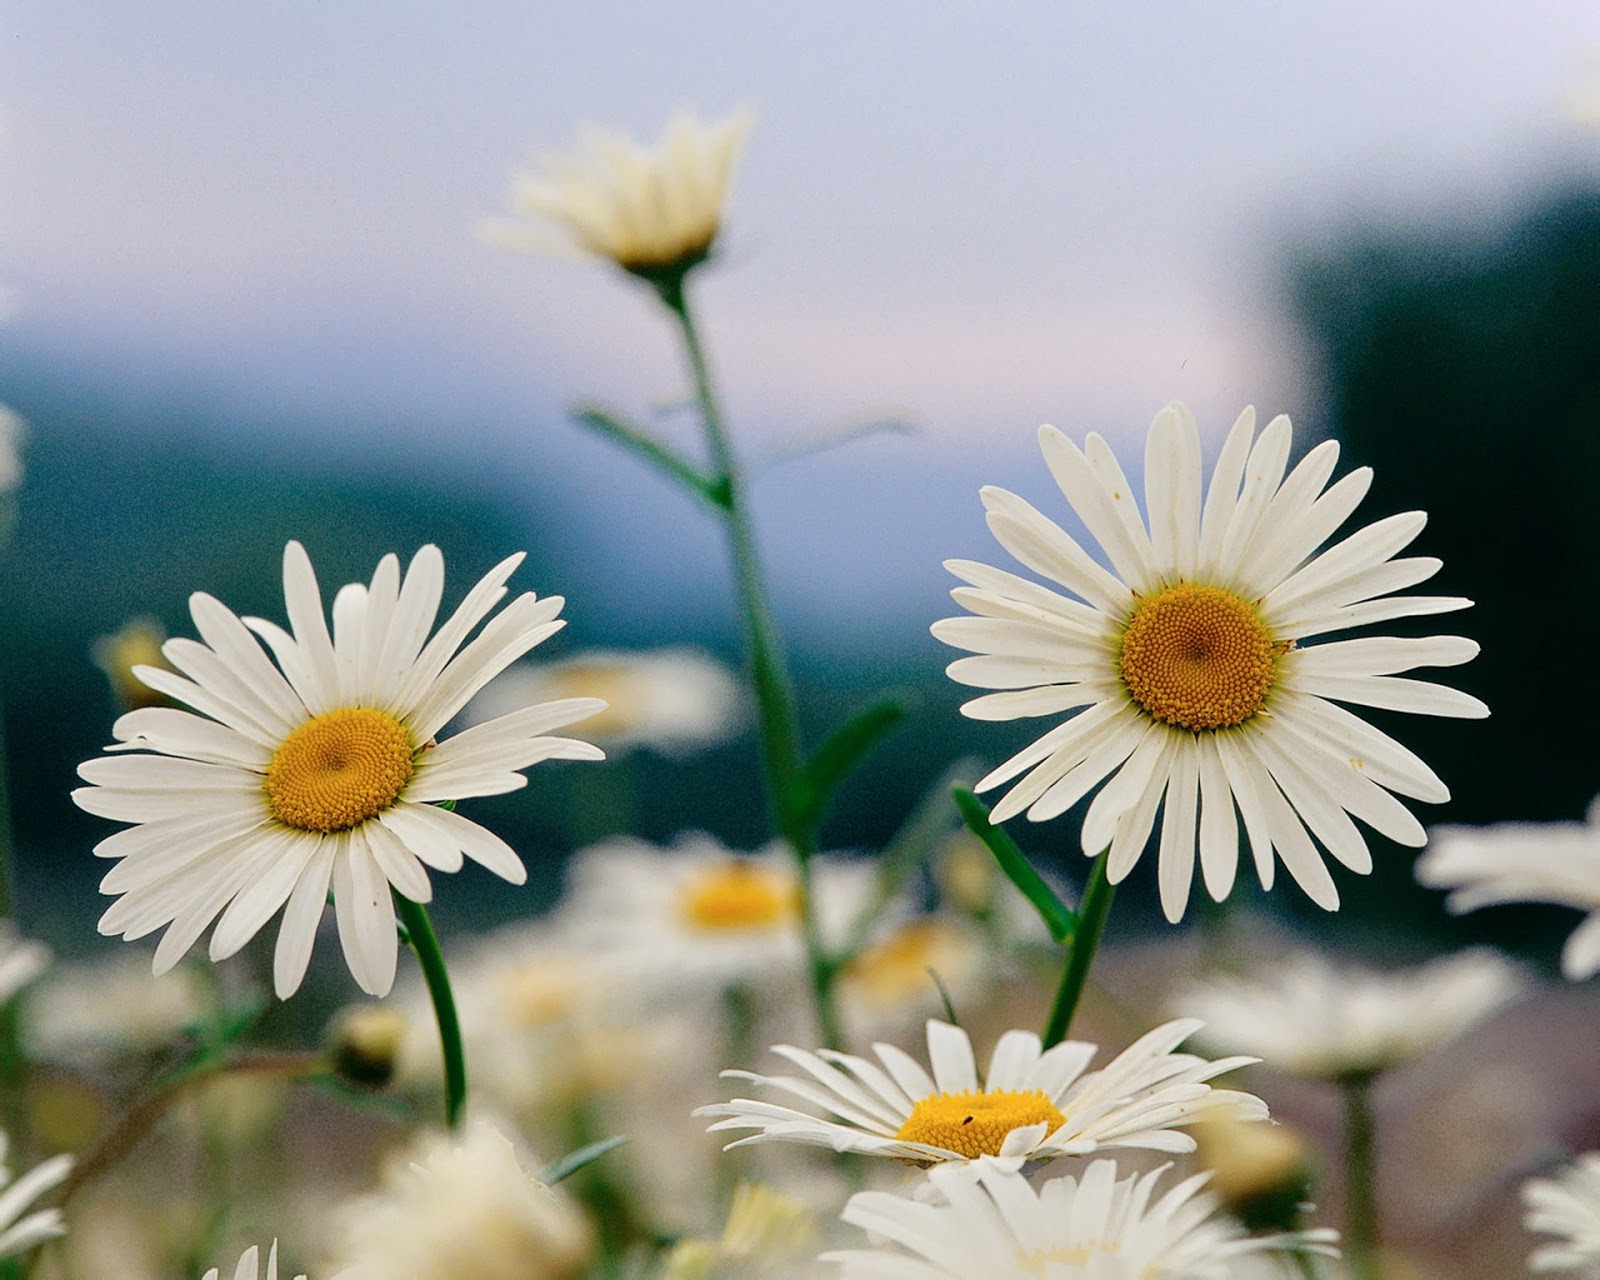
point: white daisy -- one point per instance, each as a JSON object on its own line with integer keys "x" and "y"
{"x": 1555, "y": 862}
{"x": 20, "y": 1233}
{"x": 1183, "y": 663}
{"x": 698, "y": 915}
{"x": 674, "y": 701}
{"x": 1567, "y": 1205}
{"x": 989, "y": 1221}
{"x": 249, "y": 1267}
{"x": 21, "y": 961}
{"x": 464, "y": 1205}
{"x": 1033, "y": 1104}
{"x": 111, "y": 1005}
{"x": 322, "y": 770}
{"x": 654, "y": 211}
{"x": 1314, "y": 1019}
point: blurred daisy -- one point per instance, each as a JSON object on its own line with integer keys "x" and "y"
{"x": 249, "y": 1267}
{"x": 13, "y": 431}
{"x": 674, "y": 701}
{"x": 1568, "y": 1206}
{"x": 699, "y": 915}
{"x": 19, "y": 1233}
{"x": 1555, "y": 862}
{"x": 767, "y": 1236}
{"x": 1183, "y": 660}
{"x": 892, "y": 981}
{"x": 1325, "y": 1022}
{"x": 989, "y": 1221}
{"x": 111, "y": 1004}
{"x": 1029, "y": 1104}
{"x": 21, "y": 961}
{"x": 654, "y": 211}
{"x": 137, "y": 644}
{"x": 322, "y": 770}
{"x": 463, "y": 1205}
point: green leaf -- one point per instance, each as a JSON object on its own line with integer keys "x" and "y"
{"x": 570, "y": 1163}
{"x": 614, "y": 426}
{"x": 1059, "y": 918}
{"x": 842, "y": 754}
{"x": 831, "y": 438}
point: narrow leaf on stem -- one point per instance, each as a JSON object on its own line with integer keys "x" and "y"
{"x": 570, "y": 1163}
{"x": 1059, "y": 919}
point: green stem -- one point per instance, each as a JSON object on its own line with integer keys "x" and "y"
{"x": 425, "y": 942}
{"x": 781, "y": 754}
{"x": 1360, "y": 1178}
{"x": 1092, "y": 914}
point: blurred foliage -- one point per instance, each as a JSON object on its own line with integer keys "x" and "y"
{"x": 1463, "y": 364}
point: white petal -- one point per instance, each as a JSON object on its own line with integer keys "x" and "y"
{"x": 297, "y": 932}
{"x": 1172, "y": 490}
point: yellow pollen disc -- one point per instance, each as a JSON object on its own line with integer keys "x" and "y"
{"x": 976, "y": 1124}
{"x": 339, "y": 769}
{"x": 740, "y": 895}
{"x": 1198, "y": 657}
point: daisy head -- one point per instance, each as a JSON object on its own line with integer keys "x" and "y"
{"x": 987, "y": 1220}
{"x": 1314, "y": 1019}
{"x": 1566, "y": 1206}
{"x": 322, "y": 769}
{"x": 698, "y": 916}
{"x": 1556, "y": 862}
{"x": 653, "y": 211}
{"x": 249, "y": 1267}
{"x": 1031, "y": 1103}
{"x": 1186, "y": 663}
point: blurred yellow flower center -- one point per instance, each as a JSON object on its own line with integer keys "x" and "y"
{"x": 610, "y": 682}
{"x": 339, "y": 769}
{"x": 1198, "y": 657}
{"x": 976, "y": 1124}
{"x": 740, "y": 895}
{"x": 895, "y": 968}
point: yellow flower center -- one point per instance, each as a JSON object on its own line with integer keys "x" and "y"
{"x": 1198, "y": 657}
{"x": 339, "y": 769}
{"x": 976, "y": 1124}
{"x": 740, "y": 895}
{"x": 895, "y": 968}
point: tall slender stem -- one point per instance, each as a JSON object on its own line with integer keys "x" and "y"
{"x": 1360, "y": 1178}
{"x": 781, "y": 752}
{"x": 425, "y": 942}
{"x": 1080, "y": 955}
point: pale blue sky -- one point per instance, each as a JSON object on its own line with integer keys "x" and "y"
{"x": 987, "y": 215}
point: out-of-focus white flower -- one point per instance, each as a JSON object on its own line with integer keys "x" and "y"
{"x": 1031, "y": 1103}
{"x": 13, "y": 431}
{"x": 1182, "y": 662}
{"x": 249, "y": 1267}
{"x": 137, "y": 644}
{"x": 463, "y": 1205}
{"x": 766, "y": 1234}
{"x": 1310, "y": 1018}
{"x": 112, "y": 1004}
{"x": 21, "y": 961}
{"x": 321, "y": 771}
{"x": 892, "y": 981}
{"x": 653, "y": 211}
{"x": 1556, "y": 862}
{"x": 990, "y": 1221}
{"x": 697, "y": 915}
{"x": 1568, "y": 1206}
{"x": 20, "y": 1230}
{"x": 674, "y": 701}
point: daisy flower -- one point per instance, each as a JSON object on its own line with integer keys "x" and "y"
{"x": 1555, "y": 862}
{"x": 1033, "y": 1104}
{"x": 21, "y": 961}
{"x": 699, "y": 916}
{"x": 673, "y": 701}
{"x": 463, "y": 1205}
{"x": 1184, "y": 661}
{"x": 249, "y": 1267}
{"x": 322, "y": 770}
{"x": 19, "y": 1233}
{"x": 1568, "y": 1206}
{"x": 654, "y": 211}
{"x": 989, "y": 1221}
{"x": 1324, "y": 1022}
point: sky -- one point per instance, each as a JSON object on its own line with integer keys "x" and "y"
{"x": 978, "y": 216}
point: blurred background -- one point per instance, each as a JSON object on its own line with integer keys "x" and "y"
{"x": 246, "y": 302}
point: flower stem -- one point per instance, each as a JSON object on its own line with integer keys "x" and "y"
{"x": 787, "y": 782}
{"x": 425, "y": 942}
{"x": 1360, "y": 1178}
{"x": 1092, "y": 914}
